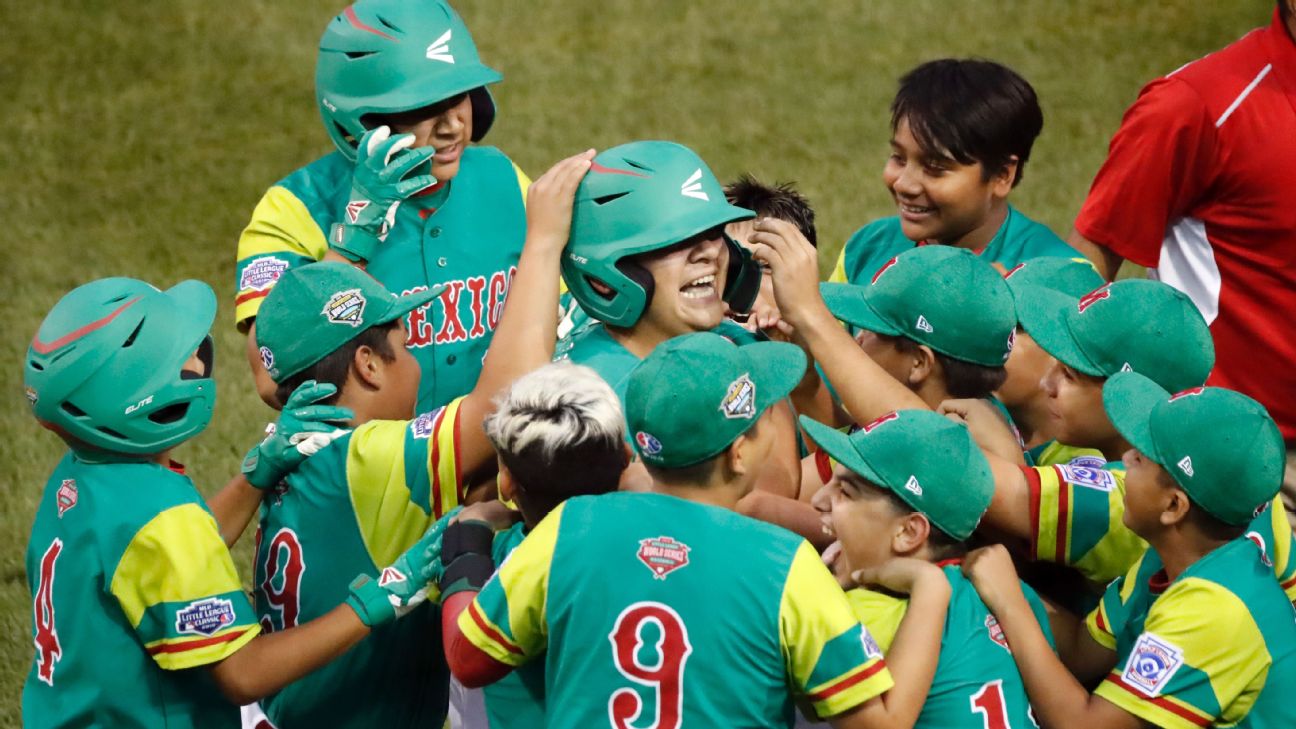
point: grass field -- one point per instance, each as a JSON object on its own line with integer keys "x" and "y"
{"x": 138, "y": 136}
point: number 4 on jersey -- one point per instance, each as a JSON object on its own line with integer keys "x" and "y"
{"x": 48, "y": 650}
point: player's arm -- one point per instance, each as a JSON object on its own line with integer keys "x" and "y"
{"x": 1058, "y": 699}
{"x": 1009, "y": 515}
{"x": 914, "y": 652}
{"x": 1107, "y": 261}
{"x": 1086, "y": 658}
{"x": 524, "y": 339}
{"x": 865, "y": 389}
{"x": 791, "y": 514}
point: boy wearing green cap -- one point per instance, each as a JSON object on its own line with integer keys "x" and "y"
{"x": 374, "y": 490}
{"x": 138, "y": 615}
{"x": 403, "y": 95}
{"x": 1196, "y": 633}
{"x": 914, "y": 485}
{"x": 636, "y": 604}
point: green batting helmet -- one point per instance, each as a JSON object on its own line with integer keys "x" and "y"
{"x": 641, "y": 197}
{"x": 104, "y": 370}
{"x": 390, "y": 56}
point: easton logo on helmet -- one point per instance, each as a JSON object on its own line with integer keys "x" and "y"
{"x": 440, "y": 49}
{"x": 345, "y": 307}
{"x": 740, "y": 399}
{"x": 1092, "y": 298}
{"x": 663, "y": 555}
{"x": 692, "y": 187}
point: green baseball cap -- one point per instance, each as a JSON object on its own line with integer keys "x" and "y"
{"x": 1074, "y": 277}
{"x": 943, "y": 297}
{"x": 1134, "y": 325}
{"x": 316, "y": 308}
{"x": 695, "y": 394}
{"x": 1220, "y": 446}
{"x": 928, "y": 460}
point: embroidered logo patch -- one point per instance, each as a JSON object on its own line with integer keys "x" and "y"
{"x": 1092, "y": 298}
{"x": 1259, "y": 541}
{"x": 1126, "y": 367}
{"x": 692, "y": 187}
{"x": 421, "y": 427}
{"x": 740, "y": 399}
{"x": 871, "y": 648}
{"x": 995, "y": 631}
{"x": 390, "y": 575}
{"x": 66, "y": 498}
{"x": 663, "y": 555}
{"x": 868, "y": 427}
{"x": 913, "y": 486}
{"x": 1012, "y": 342}
{"x": 262, "y": 273}
{"x": 923, "y": 325}
{"x": 1185, "y": 465}
{"x": 267, "y": 358}
{"x": 648, "y": 445}
{"x": 345, "y": 307}
{"x": 1088, "y": 461}
{"x": 205, "y": 617}
{"x": 1093, "y": 478}
{"x": 1152, "y": 664}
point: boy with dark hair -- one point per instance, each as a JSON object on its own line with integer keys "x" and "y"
{"x": 1196, "y": 633}
{"x": 780, "y": 201}
{"x": 372, "y": 491}
{"x": 961, "y": 134}
{"x": 634, "y": 600}
{"x": 914, "y": 485}
{"x": 133, "y": 587}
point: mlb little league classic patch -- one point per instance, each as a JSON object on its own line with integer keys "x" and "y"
{"x": 1152, "y": 664}
{"x": 262, "y": 273}
{"x": 345, "y": 307}
{"x": 205, "y": 617}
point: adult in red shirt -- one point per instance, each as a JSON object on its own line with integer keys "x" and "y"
{"x": 1200, "y": 186}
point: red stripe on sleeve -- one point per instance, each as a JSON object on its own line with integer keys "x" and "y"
{"x": 843, "y": 685}
{"x": 1033, "y": 486}
{"x": 434, "y": 465}
{"x": 191, "y": 645}
{"x": 460, "y": 487}
{"x": 1169, "y": 706}
{"x": 244, "y": 298}
{"x": 490, "y": 632}
{"x": 471, "y": 665}
{"x": 1064, "y": 508}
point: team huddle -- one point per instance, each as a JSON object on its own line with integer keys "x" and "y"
{"x": 602, "y": 450}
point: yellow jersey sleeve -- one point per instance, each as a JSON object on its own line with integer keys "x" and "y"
{"x": 524, "y": 182}
{"x": 1104, "y": 621}
{"x": 832, "y": 659}
{"x": 1272, "y": 533}
{"x": 177, "y": 586}
{"x": 1076, "y": 514}
{"x": 281, "y": 234}
{"x": 881, "y": 613}
{"x": 1200, "y": 660}
{"x": 838, "y": 274}
{"x": 402, "y": 476}
{"x": 507, "y": 618}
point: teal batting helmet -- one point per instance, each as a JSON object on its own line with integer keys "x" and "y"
{"x": 391, "y": 56}
{"x": 641, "y": 197}
{"x": 104, "y": 370}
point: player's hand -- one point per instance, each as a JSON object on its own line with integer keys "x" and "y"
{"x": 900, "y": 575}
{"x": 494, "y": 513}
{"x": 793, "y": 265}
{"x": 403, "y": 585}
{"x": 549, "y": 201}
{"x": 380, "y": 183}
{"x": 987, "y": 426}
{"x": 991, "y": 571}
{"x": 304, "y": 427}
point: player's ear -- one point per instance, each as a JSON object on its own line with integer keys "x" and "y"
{"x": 1176, "y": 506}
{"x": 733, "y": 457}
{"x": 911, "y": 534}
{"x": 1001, "y": 183}
{"x": 922, "y": 364}
{"x": 367, "y": 366}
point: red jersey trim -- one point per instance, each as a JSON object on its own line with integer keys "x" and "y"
{"x": 1033, "y": 486}
{"x": 840, "y": 686}
{"x": 490, "y": 632}
{"x": 193, "y": 644}
{"x": 1169, "y": 706}
{"x": 249, "y": 296}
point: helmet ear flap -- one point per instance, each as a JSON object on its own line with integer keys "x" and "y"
{"x": 641, "y": 278}
{"x": 743, "y": 278}
{"x": 483, "y": 111}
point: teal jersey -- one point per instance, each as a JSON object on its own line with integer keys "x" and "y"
{"x": 1214, "y": 647}
{"x": 636, "y": 606}
{"x": 467, "y": 235}
{"x": 1019, "y": 239}
{"x": 977, "y": 683}
{"x": 351, "y": 509}
{"x": 518, "y": 699}
{"x": 133, "y": 592}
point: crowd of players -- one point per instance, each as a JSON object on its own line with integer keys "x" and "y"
{"x": 676, "y": 480}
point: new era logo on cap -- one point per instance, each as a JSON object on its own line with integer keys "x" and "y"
{"x": 923, "y": 325}
{"x": 913, "y": 486}
{"x": 692, "y": 187}
{"x": 440, "y": 49}
{"x": 1185, "y": 465}
{"x": 740, "y": 399}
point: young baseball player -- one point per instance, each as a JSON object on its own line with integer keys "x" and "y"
{"x": 913, "y": 484}
{"x": 402, "y": 92}
{"x": 636, "y": 604}
{"x": 375, "y": 490}
{"x": 781, "y": 201}
{"x": 961, "y": 134}
{"x": 1021, "y": 392}
{"x": 1196, "y": 633}
{"x": 1062, "y": 513}
{"x": 138, "y": 617}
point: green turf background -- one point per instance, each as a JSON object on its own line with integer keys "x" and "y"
{"x": 136, "y": 137}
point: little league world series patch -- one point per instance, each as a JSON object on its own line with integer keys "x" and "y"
{"x": 740, "y": 399}
{"x": 205, "y": 617}
{"x": 345, "y": 307}
{"x": 1093, "y": 478}
{"x": 663, "y": 555}
{"x": 1152, "y": 664}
